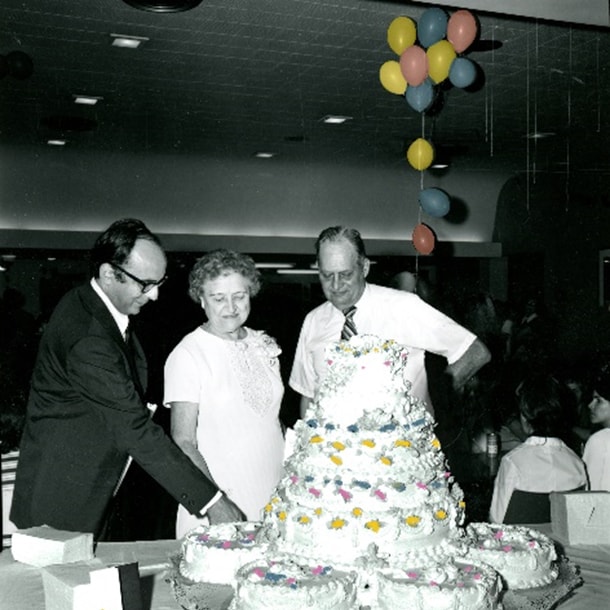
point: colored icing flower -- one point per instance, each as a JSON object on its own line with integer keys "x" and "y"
{"x": 447, "y": 475}
{"x": 318, "y": 511}
{"x": 498, "y": 535}
{"x": 353, "y": 428}
{"x": 329, "y": 426}
{"x": 346, "y": 495}
{"x": 436, "y": 443}
{"x": 531, "y": 544}
{"x": 412, "y": 574}
{"x": 462, "y": 504}
{"x": 387, "y": 428}
{"x": 460, "y": 585}
{"x": 292, "y": 582}
{"x": 367, "y": 442}
{"x": 477, "y": 576}
{"x": 304, "y": 519}
{"x": 316, "y": 439}
{"x": 294, "y": 478}
{"x": 363, "y": 484}
{"x": 275, "y": 500}
{"x": 507, "y": 548}
{"x": 312, "y": 423}
{"x": 338, "y": 446}
{"x": 314, "y": 492}
{"x": 259, "y": 572}
{"x": 374, "y": 526}
{"x": 385, "y": 460}
{"x": 433, "y": 583}
{"x": 274, "y": 577}
{"x": 402, "y": 443}
{"x": 412, "y": 520}
{"x": 337, "y": 524}
{"x": 357, "y": 512}
{"x": 226, "y": 544}
{"x": 440, "y": 515}
{"x": 281, "y": 515}
{"x": 268, "y": 508}
{"x": 380, "y": 494}
{"x": 468, "y": 568}
{"x": 317, "y": 570}
{"x": 308, "y": 478}
{"x": 336, "y": 459}
{"x": 399, "y": 487}
{"x": 421, "y": 485}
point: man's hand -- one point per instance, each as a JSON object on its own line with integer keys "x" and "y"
{"x": 224, "y": 511}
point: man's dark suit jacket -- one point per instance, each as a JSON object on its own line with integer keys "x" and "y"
{"x": 86, "y": 413}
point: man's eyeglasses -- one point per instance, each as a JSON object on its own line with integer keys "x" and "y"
{"x": 145, "y": 285}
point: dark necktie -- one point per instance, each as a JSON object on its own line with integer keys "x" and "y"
{"x": 349, "y": 328}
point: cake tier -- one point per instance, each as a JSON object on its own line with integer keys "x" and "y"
{"x": 286, "y": 584}
{"x": 214, "y": 553}
{"x": 524, "y": 557}
{"x": 452, "y": 585}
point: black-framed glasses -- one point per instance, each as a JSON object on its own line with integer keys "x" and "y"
{"x": 145, "y": 285}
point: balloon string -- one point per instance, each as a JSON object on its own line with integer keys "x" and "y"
{"x": 569, "y": 103}
{"x": 493, "y": 72}
{"x": 535, "y": 154}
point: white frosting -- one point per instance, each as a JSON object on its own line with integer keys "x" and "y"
{"x": 524, "y": 557}
{"x": 454, "y": 585}
{"x": 214, "y": 553}
{"x": 287, "y": 584}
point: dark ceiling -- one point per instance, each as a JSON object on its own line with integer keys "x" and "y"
{"x": 232, "y": 77}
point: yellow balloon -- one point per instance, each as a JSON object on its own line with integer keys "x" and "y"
{"x": 420, "y": 154}
{"x": 440, "y": 57}
{"x": 391, "y": 77}
{"x": 401, "y": 34}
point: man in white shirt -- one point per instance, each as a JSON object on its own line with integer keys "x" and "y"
{"x": 385, "y": 312}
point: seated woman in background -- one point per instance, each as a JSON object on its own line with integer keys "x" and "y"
{"x": 597, "y": 450}
{"x": 543, "y": 462}
{"x": 223, "y": 384}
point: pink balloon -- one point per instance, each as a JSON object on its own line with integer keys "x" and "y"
{"x": 414, "y": 65}
{"x": 461, "y": 30}
{"x": 423, "y": 239}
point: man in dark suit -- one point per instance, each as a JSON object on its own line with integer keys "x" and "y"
{"x": 86, "y": 412}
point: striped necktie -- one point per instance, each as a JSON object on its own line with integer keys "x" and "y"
{"x": 349, "y": 328}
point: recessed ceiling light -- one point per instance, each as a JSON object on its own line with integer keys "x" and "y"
{"x": 264, "y": 155}
{"x": 127, "y": 42}
{"x": 87, "y": 100}
{"x": 56, "y": 142}
{"x": 274, "y": 265}
{"x": 439, "y": 166}
{"x": 540, "y": 135}
{"x": 336, "y": 119}
{"x": 2, "y": 268}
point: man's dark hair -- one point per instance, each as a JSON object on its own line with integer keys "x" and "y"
{"x": 337, "y": 234}
{"x": 115, "y": 244}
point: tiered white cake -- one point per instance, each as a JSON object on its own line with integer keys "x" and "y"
{"x": 367, "y": 513}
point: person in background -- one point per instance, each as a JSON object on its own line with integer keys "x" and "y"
{"x": 86, "y": 413}
{"x": 596, "y": 454}
{"x": 385, "y": 312}
{"x": 543, "y": 462}
{"x": 223, "y": 384}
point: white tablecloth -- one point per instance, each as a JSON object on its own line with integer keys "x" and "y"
{"x": 21, "y": 585}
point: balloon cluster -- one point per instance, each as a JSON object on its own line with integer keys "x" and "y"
{"x": 428, "y": 55}
{"x": 435, "y": 59}
{"x": 16, "y": 63}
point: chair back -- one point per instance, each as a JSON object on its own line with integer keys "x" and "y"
{"x": 530, "y": 507}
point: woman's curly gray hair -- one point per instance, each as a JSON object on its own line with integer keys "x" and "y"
{"x": 222, "y": 262}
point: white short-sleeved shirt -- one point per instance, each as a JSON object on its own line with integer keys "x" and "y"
{"x": 597, "y": 458}
{"x": 389, "y": 314}
{"x": 238, "y": 388}
{"x": 539, "y": 464}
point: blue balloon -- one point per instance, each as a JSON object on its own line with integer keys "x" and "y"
{"x": 462, "y": 72}
{"x": 434, "y": 202}
{"x": 420, "y": 97}
{"x": 432, "y": 26}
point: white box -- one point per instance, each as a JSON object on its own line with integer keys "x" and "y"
{"x": 581, "y": 517}
{"x": 42, "y": 546}
{"x": 68, "y": 586}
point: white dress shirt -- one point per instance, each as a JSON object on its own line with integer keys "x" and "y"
{"x": 597, "y": 458}
{"x": 539, "y": 464}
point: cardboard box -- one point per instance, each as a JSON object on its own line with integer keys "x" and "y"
{"x": 42, "y": 546}
{"x": 581, "y": 517}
